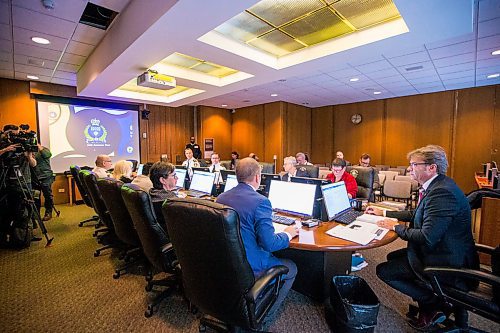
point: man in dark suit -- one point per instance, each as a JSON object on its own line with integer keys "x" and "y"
{"x": 439, "y": 234}
{"x": 293, "y": 170}
{"x": 194, "y": 147}
{"x": 257, "y": 231}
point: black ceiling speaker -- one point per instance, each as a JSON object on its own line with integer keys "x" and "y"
{"x": 145, "y": 114}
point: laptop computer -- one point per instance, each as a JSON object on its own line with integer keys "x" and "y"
{"x": 201, "y": 184}
{"x": 291, "y": 198}
{"x": 181, "y": 178}
{"x": 231, "y": 182}
{"x": 337, "y": 203}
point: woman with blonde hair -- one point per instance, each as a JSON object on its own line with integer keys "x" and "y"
{"x": 123, "y": 171}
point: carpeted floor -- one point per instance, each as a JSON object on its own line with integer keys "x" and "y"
{"x": 64, "y": 288}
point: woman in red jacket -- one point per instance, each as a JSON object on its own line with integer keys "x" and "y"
{"x": 338, "y": 174}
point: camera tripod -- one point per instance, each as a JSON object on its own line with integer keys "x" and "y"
{"x": 37, "y": 185}
{"x": 27, "y": 196}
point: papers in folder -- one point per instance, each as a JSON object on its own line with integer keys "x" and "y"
{"x": 358, "y": 232}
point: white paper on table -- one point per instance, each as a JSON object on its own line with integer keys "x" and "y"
{"x": 279, "y": 227}
{"x": 368, "y": 218}
{"x": 358, "y": 232}
{"x": 306, "y": 236}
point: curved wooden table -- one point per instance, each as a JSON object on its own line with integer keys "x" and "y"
{"x": 329, "y": 256}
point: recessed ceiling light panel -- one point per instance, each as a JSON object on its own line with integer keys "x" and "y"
{"x": 354, "y": 79}
{"x": 493, "y": 76}
{"x": 32, "y": 77}
{"x": 496, "y": 52}
{"x": 40, "y": 40}
{"x": 377, "y": 92}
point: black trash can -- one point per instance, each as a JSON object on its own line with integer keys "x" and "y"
{"x": 354, "y": 305}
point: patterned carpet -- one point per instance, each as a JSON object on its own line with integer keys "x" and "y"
{"x": 64, "y": 288}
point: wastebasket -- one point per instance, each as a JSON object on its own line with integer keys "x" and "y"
{"x": 354, "y": 305}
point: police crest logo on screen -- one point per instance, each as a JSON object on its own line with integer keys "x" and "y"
{"x": 95, "y": 133}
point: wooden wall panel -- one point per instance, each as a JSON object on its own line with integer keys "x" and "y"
{"x": 16, "y": 105}
{"x": 356, "y": 139}
{"x": 248, "y": 131}
{"x": 416, "y": 121}
{"x": 216, "y": 123}
{"x": 273, "y": 133}
{"x": 322, "y": 134}
{"x": 474, "y": 134}
{"x": 297, "y": 129}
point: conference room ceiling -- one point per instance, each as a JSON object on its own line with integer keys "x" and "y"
{"x": 449, "y": 46}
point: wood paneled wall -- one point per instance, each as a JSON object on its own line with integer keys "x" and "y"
{"x": 215, "y": 123}
{"x": 322, "y": 148}
{"x": 297, "y": 129}
{"x": 16, "y": 105}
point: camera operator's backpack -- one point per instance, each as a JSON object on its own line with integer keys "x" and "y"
{"x": 16, "y": 233}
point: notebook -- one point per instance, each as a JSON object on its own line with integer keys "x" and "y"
{"x": 337, "y": 203}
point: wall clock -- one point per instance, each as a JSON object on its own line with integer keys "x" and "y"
{"x": 356, "y": 118}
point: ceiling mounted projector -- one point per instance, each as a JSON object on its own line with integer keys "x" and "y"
{"x": 152, "y": 79}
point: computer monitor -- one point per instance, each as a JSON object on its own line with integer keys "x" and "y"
{"x": 181, "y": 177}
{"x": 318, "y": 195}
{"x": 224, "y": 173}
{"x": 139, "y": 169}
{"x": 180, "y": 167}
{"x": 335, "y": 198}
{"x": 294, "y": 198}
{"x": 231, "y": 182}
{"x": 203, "y": 181}
{"x": 265, "y": 182}
{"x": 200, "y": 168}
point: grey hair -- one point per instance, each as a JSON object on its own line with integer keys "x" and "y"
{"x": 432, "y": 154}
{"x": 290, "y": 159}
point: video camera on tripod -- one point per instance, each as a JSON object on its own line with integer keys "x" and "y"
{"x": 26, "y": 139}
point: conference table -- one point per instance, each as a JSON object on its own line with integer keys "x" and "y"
{"x": 318, "y": 261}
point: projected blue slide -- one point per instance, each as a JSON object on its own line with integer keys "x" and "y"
{"x": 77, "y": 134}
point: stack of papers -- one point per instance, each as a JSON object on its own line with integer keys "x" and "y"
{"x": 358, "y": 232}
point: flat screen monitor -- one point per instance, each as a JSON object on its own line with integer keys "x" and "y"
{"x": 295, "y": 198}
{"x": 180, "y": 167}
{"x": 265, "y": 182}
{"x": 181, "y": 177}
{"x": 139, "y": 169}
{"x": 203, "y": 181}
{"x": 335, "y": 198}
{"x": 224, "y": 173}
{"x": 318, "y": 195}
{"x": 200, "y": 168}
{"x": 231, "y": 182}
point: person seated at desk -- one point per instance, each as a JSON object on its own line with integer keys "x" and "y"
{"x": 290, "y": 166}
{"x": 234, "y": 159}
{"x": 338, "y": 174}
{"x": 190, "y": 163}
{"x": 102, "y": 165}
{"x": 123, "y": 171}
{"x": 340, "y": 154}
{"x": 439, "y": 234}
{"x": 216, "y": 167}
{"x": 164, "y": 179}
{"x": 143, "y": 181}
{"x": 364, "y": 161}
{"x": 257, "y": 231}
{"x": 302, "y": 159}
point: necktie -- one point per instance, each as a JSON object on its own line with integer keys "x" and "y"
{"x": 421, "y": 193}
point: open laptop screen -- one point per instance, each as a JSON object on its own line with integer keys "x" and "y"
{"x": 231, "y": 182}
{"x": 335, "y": 198}
{"x": 181, "y": 177}
{"x": 291, "y": 197}
{"x": 202, "y": 181}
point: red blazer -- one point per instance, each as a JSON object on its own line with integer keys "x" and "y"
{"x": 349, "y": 180}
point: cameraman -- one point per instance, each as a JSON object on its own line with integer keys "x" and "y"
{"x": 45, "y": 176}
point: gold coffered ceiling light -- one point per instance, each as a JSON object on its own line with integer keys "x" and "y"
{"x": 282, "y": 33}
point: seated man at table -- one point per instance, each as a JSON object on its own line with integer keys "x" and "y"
{"x": 164, "y": 179}
{"x": 292, "y": 169}
{"x": 143, "y": 180}
{"x": 302, "y": 159}
{"x": 257, "y": 230}
{"x": 439, "y": 234}
{"x": 338, "y": 174}
{"x": 102, "y": 165}
{"x": 365, "y": 161}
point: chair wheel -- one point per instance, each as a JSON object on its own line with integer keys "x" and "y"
{"x": 116, "y": 275}
{"x": 149, "y": 277}
{"x": 97, "y": 253}
{"x": 202, "y": 328}
{"x": 149, "y": 312}
{"x": 149, "y": 287}
{"x": 80, "y": 224}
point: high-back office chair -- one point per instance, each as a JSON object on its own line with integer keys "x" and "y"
{"x": 382, "y": 167}
{"x": 483, "y": 300}
{"x": 323, "y": 173}
{"x": 312, "y": 170}
{"x": 75, "y": 170}
{"x": 109, "y": 239}
{"x": 267, "y": 167}
{"x": 110, "y": 189}
{"x": 226, "y": 164}
{"x": 365, "y": 177}
{"x": 216, "y": 275}
{"x": 155, "y": 242}
{"x": 379, "y": 192}
{"x": 399, "y": 190}
{"x": 400, "y": 171}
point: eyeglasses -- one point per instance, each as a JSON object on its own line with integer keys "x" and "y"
{"x": 174, "y": 175}
{"x": 414, "y": 164}
{"x": 335, "y": 169}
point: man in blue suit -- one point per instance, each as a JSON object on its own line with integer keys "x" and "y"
{"x": 439, "y": 234}
{"x": 257, "y": 231}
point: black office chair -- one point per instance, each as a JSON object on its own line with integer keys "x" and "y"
{"x": 312, "y": 170}
{"x": 365, "y": 177}
{"x": 216, "y": 275}
{"x": 122, "y": 222}
{"x": 483, "y": 300}
{"x": 135, "y": 163}
{"x": 74, "y": 170}
{"x": 267, "y": 167}
{"x": 108, "y": 239}
{"x": 155, "y": 242}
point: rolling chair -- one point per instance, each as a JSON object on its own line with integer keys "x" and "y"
{"x": 399, "y": 190}
{"x": 122, "y": 222}
{"x": 267, "y": 167}
{"x": 483, "y": 300}
{"x": 155, "y": 243}
{"x": 108, "y": 239}
{"x": 74, "y": 170}
{"x": 312, "y": 170}
{"x": 365, "y": 177}
{"x": 216, "y": 275}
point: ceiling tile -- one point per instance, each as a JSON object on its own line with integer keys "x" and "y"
{"x": 391, "y": 79}
{"x": 68, "y": 67}
{"x": 426, "y": 66}
{"x": 37, "y": 52}
{"x": 88, "y": 35}
{"x": 430, "y": 90}
{"x": 348, "y": 72}
{"x": 5, "y": 45}
{"x": 488, "y": 62}
{"x": 488, "y": 28}
{"x": 420, "y": 73}
{"x": 365, "y": 61}
{"x": 73, "y": 59}
{"x": 450, "y": 41}
{"x": 25, "y": 60}
{"x": 455, "y": 60}
{"x": 487, "y": 82}
{"x": 488, "y": 70}
{"x": 404, "y": 92}
{"x": 65, "y": 75}
{"x": 39, "y": 22}
{"x": 488, "y": 9}
{"x": 68, "y": 10}
{"x": 6, "y": 65}
{"x": 4, "y": 13}
{"x": 5, "y": 32}
{"x": 469, "y": 80}
{"x": 397, "y": 53}
{"x": 456, "y": 68}
{"x": 23, "y": 76}
{"x": 452, "y": 50}
{"x": 453, "y": 86}
{"x": 374, "y": 66}
{"x": 486, "y": 54}
{"x": 116, "y": 5}
{"x": 5, "y": 56}
{"x": 7, "y": 73}
{"x": 410, "y": 59}
{"x": 82, "y": 49}
{"x": 488, "y": 42}
{"x": 383, "y": 73}
{"x": 469, "y": 73}
{"x": 425, "y": 80}
{"x": 33, "y": 70}
{"x": 24, "y": 36}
